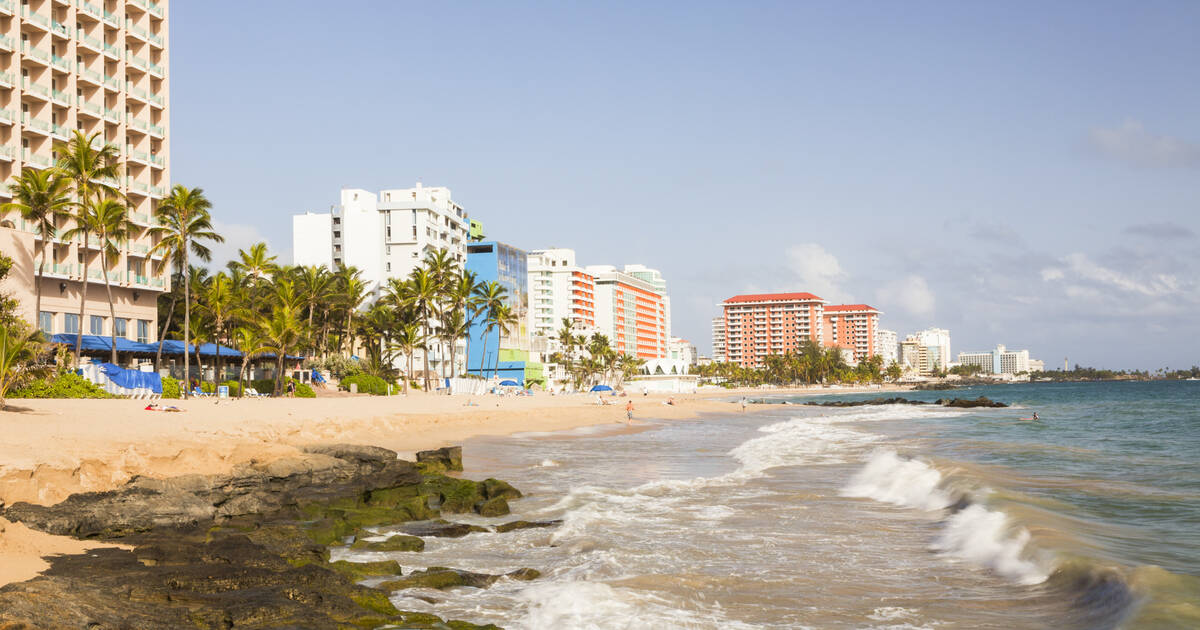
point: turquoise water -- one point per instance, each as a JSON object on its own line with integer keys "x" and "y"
{"x": 892, "y": 517}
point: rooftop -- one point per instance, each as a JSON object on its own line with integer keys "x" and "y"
{"x": 850, "y": 307}
{"x": 773, "y": 297}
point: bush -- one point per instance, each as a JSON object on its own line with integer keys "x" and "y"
{"x": 63, "y": 385}
{"x": 303, "y": 390}
{"x": 170, "y": 387}
{"x": 367, "y": 384}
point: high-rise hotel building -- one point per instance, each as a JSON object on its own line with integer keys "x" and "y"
{"x": 99, "y": 66}
{"x": 755, "y": 326}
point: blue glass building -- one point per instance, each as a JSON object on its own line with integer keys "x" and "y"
{"x": 508, "y": 358}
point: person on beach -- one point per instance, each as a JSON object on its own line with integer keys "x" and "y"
{"x": 291, "y": 389}
{"x": 629, "y": 413}
{"x": 743, "y": 404}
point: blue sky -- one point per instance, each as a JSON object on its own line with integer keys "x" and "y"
{"x": 1020, "y": 173}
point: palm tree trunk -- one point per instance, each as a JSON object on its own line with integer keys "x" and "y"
{"x": 242, "y": 376}
{"x": 187, "y": 320}
{"x": 499, "y": 343}
{"x": 82, "y": 302}
{"x": 163, "y": 333}
{"x": 425, "y": 355}
{"x": 112, "y": 309}
{"x": 483, "y": 357}
{"x": 279, "y": 374}
{"x": 37, "y": 309}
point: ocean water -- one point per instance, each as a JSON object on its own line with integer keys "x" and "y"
{"x": 897, "y": 517}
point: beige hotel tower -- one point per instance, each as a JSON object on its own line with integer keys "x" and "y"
{"x": 97, "y": 66}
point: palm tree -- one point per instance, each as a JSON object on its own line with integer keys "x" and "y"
{"x": 350, "y": 291}
{"x": 19, "y": 349}
{"x": 407, "y": 338}
{"x": 453, "y": 327}
{"x": 503, "y": 318}
{"x": 112, "y": 229}
{"x": 281, "y": 332}
{"x": 42, "y": 197}
{"x": 489, "y": 297}
{"x": 183, "y": 221}
{"x": 462, "y": 298}
{"x": 94, "y": 171}
{"x": 316, "y": 285}
{"x": 419, "y": 293}
{"x": 256, "y": 263}
{"x": 249, "y": 341}
{"x": 85, "y": 226}
{"x": 218, "y": 304}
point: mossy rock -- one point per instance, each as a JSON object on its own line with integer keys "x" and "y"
{"x": 399, "y": 542}
{"x": 492, "y": 507}
{"x": 441, "y": 578}
{"x": 329, "y": 531}
{"x": 362, "y": 570}
{"x": 375, "y": 601}
{"x": 455, "y": 495}
{"x": 496, "y": 489}
{"x": 515, "y": 525}
{"x": 390, "y": 497}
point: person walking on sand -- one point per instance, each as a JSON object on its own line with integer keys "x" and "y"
{"x": 629, "y": 413}
{"x": 291, "y": 389}
{"x": 743, "y": 404}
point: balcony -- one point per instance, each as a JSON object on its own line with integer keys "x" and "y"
{"x": 136, "y": 92}
{"x": 7, "y": 117}
{"x": 110, "y": 19}
{"x": 60, "y": 132}
{"x": 59, "y": 63}
{"x": 135, "y": 30}
{"x": 139, "y": 125}
{"x": 39, "y": 91}
{"x": 137, "y": 187}
{"x": 112, "y": 115}
{"x": 88, "y": 42}
{"x": 137, "y": 62}
{"x": 7, "y": 43}
{"x": 8, "y": 7}
{"x": 141, "y": 218}
{"x": 35, "y": 54}
{"x": 59, "y": 29}
{"x": 140, "y": 157}
{"x": 8, "y": 79}
{"x": 62, "y": 98}
{"x": 89, "y": 76}
{"x": 112, "y": 83}
{"x": 7, "y": 153}
{"x": 33, "y": 124}
{"x": 36, "y": 160}
{"x": 148, "y": 6}
{"x": 64, "y": 270}
{"x": 157, "y": 161}
{"x": 156, "y": 101}
{"x": 87, "y": 8}
{"x": 111, "y": 51}
{"x": 35, "y": 19}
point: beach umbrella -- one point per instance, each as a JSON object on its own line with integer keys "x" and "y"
{"x": 601, "y": 388}
{"x": 509, "y": 383}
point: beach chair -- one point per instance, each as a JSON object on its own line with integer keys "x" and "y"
{"x": 199, "y": 393}
{"x": 253, "y": 393}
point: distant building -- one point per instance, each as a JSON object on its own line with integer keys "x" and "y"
{"x": 718, "y": 340}
{"x": 632, "y": 309}
{"x": 488, "y": 353}
{"x": 937, "y": 342}
{"x": 888, "y": 346}
{"x": 680, "y": 349}
{"x": 998, "y": 361}
{"x": 758, "y": 325}
{"x": 560, "y": 289}
{"x": 854, "y": 326}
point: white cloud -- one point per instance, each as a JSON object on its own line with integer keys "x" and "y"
{"x": 1132, "y": 143}
{"x": 1052, "y": 273}
{"x": 1154, "y": 285}
{"x": 238, "y": 236}
{"x": 816, "y": 271}
{"x": 910, "y": 294}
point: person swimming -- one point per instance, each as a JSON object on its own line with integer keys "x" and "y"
{"x": 1035, "y": 416}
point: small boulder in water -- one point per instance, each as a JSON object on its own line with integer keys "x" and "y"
{"x": 445, "y": 458}
{"x": 399, "y": 542}
{"x": 442, "y": 578}
{"x": 440, "y": 529}
{"x": 511, "y": 526}
{"x": 492, "y": 507}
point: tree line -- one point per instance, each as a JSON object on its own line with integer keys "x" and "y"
{"x": 810, "y": 363}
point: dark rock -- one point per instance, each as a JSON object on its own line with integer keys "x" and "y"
{"x": 440, "y": 529}
{"x": 454, "y": 495}
{"x": 515, "y": 525}
{"x": 964, "y": 403}
{"x": 447, "y": 458}
{"x": 398, "y": 542}
{"x": 362, "y": 570}
{"x": 496, "y": 489}
{"x": 492, "y": 507}
{"x": 442, "y": 578}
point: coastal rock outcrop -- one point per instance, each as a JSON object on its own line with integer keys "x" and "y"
{"x": 445, "y": 458}
{"x": 442, "y": 578}
{"x": 245, "y": 550}
{"x": 964, "y": 403}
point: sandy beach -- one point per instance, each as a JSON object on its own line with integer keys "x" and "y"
{"x": 53, "y": 448}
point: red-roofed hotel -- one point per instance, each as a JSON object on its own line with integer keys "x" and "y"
{"x": 762, "y": 324}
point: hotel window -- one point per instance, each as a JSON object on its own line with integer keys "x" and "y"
{"x": 96, "y": 325}
{"x": 71, "y": 323}
{"x": 121, "y": 326}
{"x": 143, "y": 330}
{"x": 46, "y": 322}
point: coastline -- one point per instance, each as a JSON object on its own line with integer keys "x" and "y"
{"x": 55, "y": 448}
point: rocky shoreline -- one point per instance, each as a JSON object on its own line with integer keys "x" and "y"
{"x": 960, "y": 403}
{"x": 251, "y": 549}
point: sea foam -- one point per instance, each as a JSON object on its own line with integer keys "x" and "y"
{"x": 889, "y": 478}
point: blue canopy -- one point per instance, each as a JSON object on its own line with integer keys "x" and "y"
{"x": 98, "y": 343}
{"x": 132, "y": 379}
{"x": 509, "y": 383}
{"x": 601, "y": 388}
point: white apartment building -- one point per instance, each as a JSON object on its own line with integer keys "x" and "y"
{"x": 998, "y": 361}
{"x": 680, "y": 349}
{"x": 937, "y": 343}
{"x": 97, "y": 66}
{"x": 384, "y": 235}
{"x": 888, "y": 346}
{"x": 629, "y": 305}
{"x": 559, "y": 289}
{"x": 718, "y": 340}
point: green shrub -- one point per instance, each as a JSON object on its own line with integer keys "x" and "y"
{"x": 63, "y": 385}
{"x": 367, "y": 384}
{"x": 170, "y": 387}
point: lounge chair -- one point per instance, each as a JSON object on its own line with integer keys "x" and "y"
{"x": 253, "y": 393}
{"x": 199, "y": 393}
